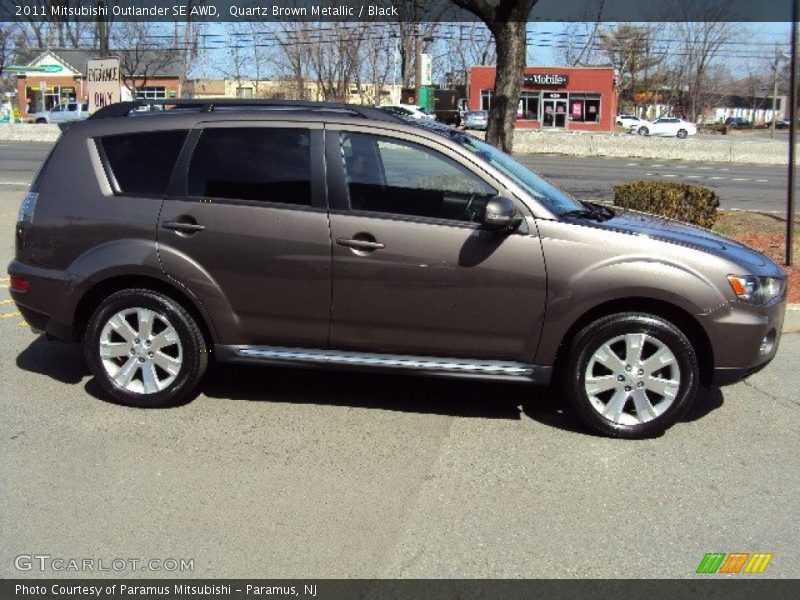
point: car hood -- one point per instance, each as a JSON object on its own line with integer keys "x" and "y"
{"x": 680, "y": 233}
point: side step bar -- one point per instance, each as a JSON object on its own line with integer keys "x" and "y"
{"x": 487, "y": 369}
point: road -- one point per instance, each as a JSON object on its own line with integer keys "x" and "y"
{"x": 294, "y": 473}
{"x": 744, "y": 187}
{"x": 748, "y": 187}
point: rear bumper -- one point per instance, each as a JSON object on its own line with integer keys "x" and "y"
{"x": 46, "y": 306}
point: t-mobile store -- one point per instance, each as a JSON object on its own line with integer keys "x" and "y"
{"x": 577, "y": 99}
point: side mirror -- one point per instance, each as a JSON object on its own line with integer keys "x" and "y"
{"x": 501, "y": 215}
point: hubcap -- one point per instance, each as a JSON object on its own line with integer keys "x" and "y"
{"x": 140, "y": 350}
{"x": 632, "y": 379}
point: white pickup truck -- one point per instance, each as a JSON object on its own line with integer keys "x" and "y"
{"x": 63, "y": 113}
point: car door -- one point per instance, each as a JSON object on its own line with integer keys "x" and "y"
{"x": 245, "y": 228}
{"x": 57, "y": 114}
{"x": 413, "y": 272}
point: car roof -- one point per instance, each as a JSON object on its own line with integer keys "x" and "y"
{"x": 123, "y": 117}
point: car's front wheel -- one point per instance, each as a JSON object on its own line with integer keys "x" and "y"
{"x": 630, "y": 375}
{"x": 643, "y": 131}
{"x": 145, "y": 349}
{"x": 682, "y": 133}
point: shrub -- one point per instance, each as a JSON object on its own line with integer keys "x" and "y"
{"x": 680, "y": 201}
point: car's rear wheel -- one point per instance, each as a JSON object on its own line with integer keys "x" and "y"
{"x": 682, "y": 133}
{"x": 630, "y": 375}
{"x": 643, "y": 131}
{"x": 145, "y": 349}
{"x": 41, "y": 121}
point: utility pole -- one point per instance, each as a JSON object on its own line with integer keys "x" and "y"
{"x": 792, "y": 131}
{"x": 417, "y": 54}
{"x": 774, "y": 92}
{"x": 102, "y": 29}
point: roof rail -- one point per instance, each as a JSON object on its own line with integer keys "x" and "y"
{"x": 121, "y": 109}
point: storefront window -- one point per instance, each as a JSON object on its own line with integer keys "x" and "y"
{"x": 151, "y": 93}
{"x": 486, "y": 99}
{"x": 529, "y": 106}
{"x": 584, "y": 108}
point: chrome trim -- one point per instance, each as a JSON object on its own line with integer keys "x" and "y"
{"x": 392, "y": 361}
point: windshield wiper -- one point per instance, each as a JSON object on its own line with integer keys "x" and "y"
{"x": 596, "y": 212}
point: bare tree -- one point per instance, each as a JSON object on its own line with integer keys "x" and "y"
{"x": 706, "y": 27}
{"x": 141, "y": 54}
{"x": 507, "y": 20}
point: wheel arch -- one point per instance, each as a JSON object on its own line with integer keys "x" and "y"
{"x": 92, "y": 298}
{"x": 676, "y": 315}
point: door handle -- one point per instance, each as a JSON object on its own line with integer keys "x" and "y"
{"x": 360, "y": 244}
{"x": 183, "y": 226}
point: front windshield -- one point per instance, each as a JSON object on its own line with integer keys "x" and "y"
{"x": 544, "y": 192}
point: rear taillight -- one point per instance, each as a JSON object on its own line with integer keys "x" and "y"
{"x": 27, "y": 208}
{"x": 18, "y": 284}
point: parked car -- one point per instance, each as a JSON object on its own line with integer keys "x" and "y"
{"x": 738, "y": 123}
{"x": 666, "y": 127}
{"x": 63, "y": 113}
{"x": 476, "y": 119}
{"x": 408, "y": 111}
{"x": 780, "y": 124}
{"x": 628, "y": 121}
{"x": 382, "y": 244}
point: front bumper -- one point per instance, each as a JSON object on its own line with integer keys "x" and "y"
{"x": 744, "y": 339}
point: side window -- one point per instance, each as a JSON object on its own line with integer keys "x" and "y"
{"x": 270, "y": 165}
{"x": 142, "y": 163}
{"x": 72, "y": 107}
{"x": 58, "y": 108}
{"x": 393, "y": 176}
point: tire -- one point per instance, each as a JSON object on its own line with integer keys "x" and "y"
{"x": 148, "y": 369}
{"x": 682, "y": 133}
{"x": 636, "y": 402}
{"x": 643, "y": 131}
{"x": 41, "y": 121}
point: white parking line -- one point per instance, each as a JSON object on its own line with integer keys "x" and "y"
{"x": 741, "y": 179}
{"x": 694, "y": 176}
{"x": 14, "y": 182}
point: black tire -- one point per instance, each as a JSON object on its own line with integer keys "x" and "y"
{"x": 592, "y": 337}
{"x": 643, "y": 131}
{"x": 682, "y": 134}
{"x": 41, "y": 121}
{"x": 193, "y": 351}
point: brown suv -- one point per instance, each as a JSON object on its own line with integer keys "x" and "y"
{"x": 324, "y": 234}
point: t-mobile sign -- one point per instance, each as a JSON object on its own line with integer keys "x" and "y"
{"x": 541, "y": 80}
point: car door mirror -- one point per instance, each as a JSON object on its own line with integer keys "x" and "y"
{"x": 501, "y": 215}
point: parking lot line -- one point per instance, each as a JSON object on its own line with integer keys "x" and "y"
{"x": 10, "y": 315}
{"x": 8, "y": 301}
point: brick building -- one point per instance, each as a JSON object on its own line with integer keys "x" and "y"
{"x": 59, "y": 76}
{"x": 571, "y": 98}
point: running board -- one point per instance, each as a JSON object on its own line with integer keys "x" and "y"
{"x": 467, "y": 367}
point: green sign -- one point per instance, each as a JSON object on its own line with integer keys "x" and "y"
{"x": 39, "y": 69}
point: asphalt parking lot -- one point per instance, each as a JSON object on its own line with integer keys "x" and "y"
{"x": 293, "y": 473}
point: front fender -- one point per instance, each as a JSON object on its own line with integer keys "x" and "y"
{"x": 622, "y": 278}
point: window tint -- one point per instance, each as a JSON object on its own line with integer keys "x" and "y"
{"x": 72, "y": 107}
{"x": 272, "y": 165}
{"x": 393, "y": 176}
{"x": 142, "y": 163}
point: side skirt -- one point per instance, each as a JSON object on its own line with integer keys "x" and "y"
{"x": 428, "y": 365}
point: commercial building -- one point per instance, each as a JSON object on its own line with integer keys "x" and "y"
{"x": 568, "y": 98}
{"x": 58, "y": 76}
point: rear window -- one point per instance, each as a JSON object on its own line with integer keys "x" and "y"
{"x": 262, "y": 164}
{"x": 141, "y": 163}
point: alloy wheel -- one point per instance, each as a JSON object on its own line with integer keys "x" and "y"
{"x": 632, "y": 379}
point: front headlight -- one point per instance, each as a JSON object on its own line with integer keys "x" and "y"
{"x": 757, "y": 290}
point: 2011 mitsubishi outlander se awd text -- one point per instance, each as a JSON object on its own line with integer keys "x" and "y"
{"x": 303, "y": 233}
